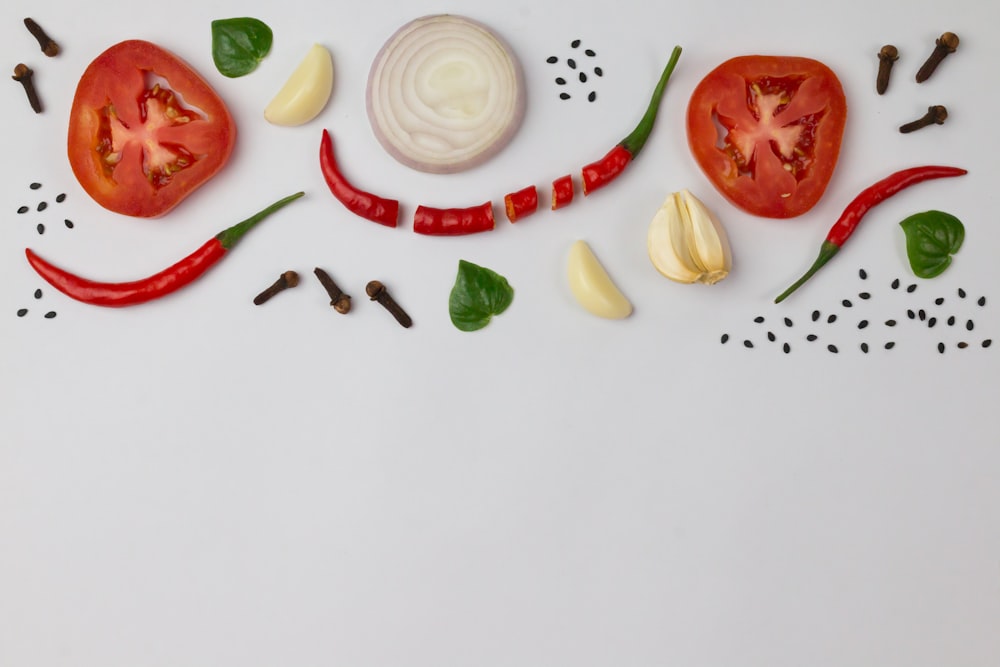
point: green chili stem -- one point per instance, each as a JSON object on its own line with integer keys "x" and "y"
{"x": 228, "y": 237}
{"x": 634, "y": 142}
{"x": 827, "y": 250}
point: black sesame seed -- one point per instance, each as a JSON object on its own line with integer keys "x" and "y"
{"x": 962, "y": 345}
{"x": 68, "y": 223}
{"x": 862, "y": 324}
{"x": 747, "y": 344}
{"x": 895, "y": 284}
{"x": 912, "y": 315}
{"x": 847, "y": 303}
{"x": 786, "y": 348}
{"x": 60, "y": 198}
{"x": 864, "y": 347}
{"x": 922, "y": 314}
{"x": 575, "y": 44}
{"x": 961, "y": 293}
{"x": 890, "y": 323}
{"x": 931, "y": 322}
{"x": 811, "y": 337}
{"x": 590, "y": 52}
{"x": 771, "y": 337}
{"x": 759, "y": 319}
{"x": 42, "y": 206}
{"x": 40, "y": 228}
{"x": 969, "y": 326}
{"x": 911, "y": 288}
{"x": 815, "y": 315}
{"x": 598, "y": 71}
{"x": 862, "y": 274}
{"x": 832, "y": 348}
{"x": 987, "y": 342}
{"x": 890, "y": 345}
{"x": 724, "y": 339}
{"x": 571, "y": 63}
{"x": 21, "y": 312}
{"x": 592, "y": 96}
{"x": 552, "y": 60}
{"x": 560, "y": 81}
{"x": 35, "y": 186}
{"x": 864, "y": 295}
{"x": 38, "y": 293}
{"x": 22, "y": 209}
{"x": 982, "y": 301}
{"x": 49, "y": 315}
{"x": 831, "y": 319}
{"x": 938, "y": 301}
{"x": 951, "y": 321}
{"x": 583, "y": 77}
{"x": 941, "y": 348}
{"x": 564, "y": 96}
{"x": 788, "y": 321}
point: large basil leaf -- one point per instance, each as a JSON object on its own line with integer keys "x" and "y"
{"x": 932, "y": 237}
{"x": 477, "y": 296}
{"x": 238, "y": 44}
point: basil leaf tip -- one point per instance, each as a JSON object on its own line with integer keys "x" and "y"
{"x": 239, "y": 44}
{"x": 479, "y": 294}
{"x": 932, "y": 237}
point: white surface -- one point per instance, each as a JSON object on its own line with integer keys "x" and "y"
{"x": 201, "y": 482}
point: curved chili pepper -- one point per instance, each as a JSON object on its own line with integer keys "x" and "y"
{"x": 521, "y": 204}
{"x": 368, "y": 206}
{"x": 562, "y": 191}
{"x": 608, "y": 168}
{"x": 169, "y": 280}
{"x": 860, "y": 205}
{"x": 453, "y": 221}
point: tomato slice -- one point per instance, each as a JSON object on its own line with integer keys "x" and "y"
{"x": 766, "y": 130}
{"x": 146, "y": 130}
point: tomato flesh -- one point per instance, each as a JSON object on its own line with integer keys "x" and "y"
{"x": 146, "y": 130}
{"x": 767, "y": 130}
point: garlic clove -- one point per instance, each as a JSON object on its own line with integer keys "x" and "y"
{"x": 687, "y": 243}
{"x": 592, "y": 286}
{"x": 708, "y": 241}
{"x": 667, "y": 245}
{"x": 306, "y": 91}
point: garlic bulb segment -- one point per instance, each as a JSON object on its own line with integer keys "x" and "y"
{"x": 687, "y": 243}
{"x": 592, "y": 286}
{"x": 306, "y": 91}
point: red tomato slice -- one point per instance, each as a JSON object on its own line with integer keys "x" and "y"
{"x": 766, "y": 130}
{"x": 146, "y": 130}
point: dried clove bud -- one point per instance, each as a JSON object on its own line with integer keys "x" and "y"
{"x": 886, "y": 57}
{"x": 936, "y": 115}
{"x": 46, "y": 43}
{"x": 23, "y": 74}
{"x": 284, "y": 281}
{"x": 945, "y": 44}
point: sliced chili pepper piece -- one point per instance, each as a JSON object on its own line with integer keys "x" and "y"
{"x": 522, "y": 203}
{"x": 453, "y": 221}
{"x": 160, "y": 284}
{"x": 598, "y": 174}
{"x": 562, "y": 191}
{"x": 868, "y": 198}
{"x": 365, "y": 204}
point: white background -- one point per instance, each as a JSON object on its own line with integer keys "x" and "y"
{"x": 201, "y": 482}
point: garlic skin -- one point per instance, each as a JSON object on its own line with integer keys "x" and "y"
{"x": 306, "y": 91}
{"x": 687, "y": 243}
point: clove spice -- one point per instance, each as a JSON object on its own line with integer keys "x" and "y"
{"x": 341, "y": 302}
{"x": 284, "y": 281}
{"x": 46, "y": 43}
{"x": 945, "y": 44}
{"x": 886, "y": 57}
{"x": 936, "y": 115}
{"x": 377, "y": 292}
{"x": 23, "y": 74}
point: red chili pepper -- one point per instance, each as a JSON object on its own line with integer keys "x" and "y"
{"x": 860, "y": 205}
{"x": 522, "y": 203}
{"x": 453, "y": 221}
{"x": 598, "y": 174}
{"x": 169, "y": 280}
{"x": 368, "y": 206}
{"x": 562, "y": 191}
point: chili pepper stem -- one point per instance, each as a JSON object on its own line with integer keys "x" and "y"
{"x": 634, "y": 142}
{"x": 826, "y": 252}
{"x": 229, "y": 237}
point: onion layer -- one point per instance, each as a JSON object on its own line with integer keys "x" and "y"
{"x": 445, "y": 94}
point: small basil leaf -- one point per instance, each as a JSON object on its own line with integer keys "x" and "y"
{"x": 477, "y": 296}
{"x": 239, "y": 44}
{"x": 932, "y": 237}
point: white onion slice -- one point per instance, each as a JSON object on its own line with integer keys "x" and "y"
{"x": 445, "y": 94}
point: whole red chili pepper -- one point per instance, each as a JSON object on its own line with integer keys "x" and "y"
{"x": 521, "y": 204}
{"x": 359, "y": 202}
{"x": 562, "y": 191}
{"x": 598, "y": 174}
{"x": 169, "y": 280}
{"x": 453, "y": 221}
{"x": 860, "y": 205}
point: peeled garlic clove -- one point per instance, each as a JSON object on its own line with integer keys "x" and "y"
{"x": 592, "y": 286}
{"x": 306, "y": 91}
{"x": 688, "y": 244}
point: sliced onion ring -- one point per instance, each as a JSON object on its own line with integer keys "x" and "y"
{"x": 445, "y": 93}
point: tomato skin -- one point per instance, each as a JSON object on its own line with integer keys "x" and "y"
{"x": 137, "y": 148}
{"x": 766, "y": 131}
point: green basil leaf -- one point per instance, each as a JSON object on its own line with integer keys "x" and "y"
{"x": 932, "y": 237}
{"x": 238, "y": 44}
{"x": 477, "y": 296}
